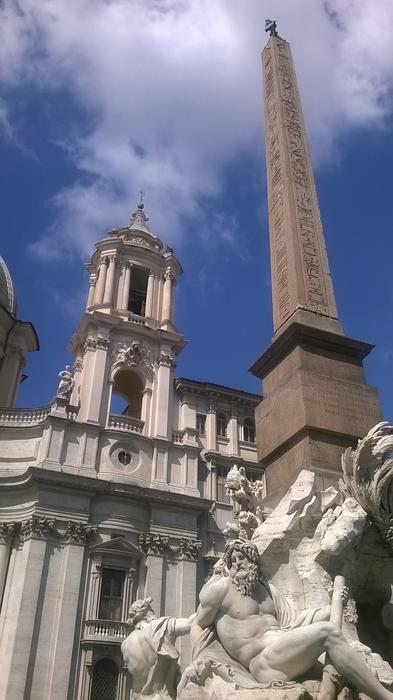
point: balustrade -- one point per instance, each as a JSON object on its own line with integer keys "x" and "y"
{"x": 126, "y": 423}
{"x": 105, "y": 630}
{"x": 18, "y": 416}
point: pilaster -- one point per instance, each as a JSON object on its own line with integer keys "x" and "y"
{"x": 95, "y": 388}
{"x": 64, "y": 623}
{"x": 20, "y": 607}
{"x": 8, "y": 531}
{"x": 164, "y": 391}
{"x": 154, "y": 544}
{"x": 233, "y": 434}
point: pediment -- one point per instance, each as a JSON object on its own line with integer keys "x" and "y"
{"x": 118, "y": 545}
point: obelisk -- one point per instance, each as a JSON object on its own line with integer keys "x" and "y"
{"x": 316, "y": 400}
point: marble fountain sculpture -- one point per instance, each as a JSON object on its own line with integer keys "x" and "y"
{"x": 300, "y": 604}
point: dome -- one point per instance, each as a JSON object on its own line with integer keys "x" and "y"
{"x": 7, "y": 289}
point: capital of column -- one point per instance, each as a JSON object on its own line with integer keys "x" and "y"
{"x": 41, "y": 528}
{"x": 168, "y": 274}
{"x": 79, "y": 533}
{"x": 8, "y": 531}
{"x": 153, "y": 543}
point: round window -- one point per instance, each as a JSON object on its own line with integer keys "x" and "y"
{"x": 124, "y": 457}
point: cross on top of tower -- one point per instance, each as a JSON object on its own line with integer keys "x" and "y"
{"x": 271, "y": 27}
{"x": 141, "y": 196}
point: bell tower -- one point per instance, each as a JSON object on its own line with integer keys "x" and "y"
{"x": 127, "y": 342}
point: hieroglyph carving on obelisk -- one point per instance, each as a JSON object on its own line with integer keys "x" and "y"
{"x": 300, "y": 269}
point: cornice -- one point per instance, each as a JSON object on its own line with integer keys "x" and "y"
{"x": 39, "y": 477}
{"x": 220, "y": 458}
{"x": 310, "y": 338}
{"x": 216, "y": 391}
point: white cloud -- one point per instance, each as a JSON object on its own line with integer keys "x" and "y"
{"x": 172, "y": 92}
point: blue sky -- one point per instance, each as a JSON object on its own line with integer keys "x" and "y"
{"x": 99, "y": 99}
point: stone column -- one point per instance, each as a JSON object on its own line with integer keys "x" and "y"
{"x": 120, "y": 286}
{"x": 213, "y": 480}
{"x": 211, "y": 428}
{"x": 126, "y": 287}
{"x": 145, "y": 412}
{"x": 167, "y": 297}
{"x": 149, "y": 296}
{"x": 155, "y": 297}
{"x": 100, "y": 286}
{"x": 110, "y": 280}
{"x": 172, "y": 319}
{"x": 90, "y": 297}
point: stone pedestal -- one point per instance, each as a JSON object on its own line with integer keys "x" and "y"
{"x": 316, "y": 403}
{"x": 220, "y": 690}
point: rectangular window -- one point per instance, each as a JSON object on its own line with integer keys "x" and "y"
{"x": 200, "y": 423}
{"x": 221, "y": 424}
{"x": 222, "y": 473}
{"x": 111, "y": 600}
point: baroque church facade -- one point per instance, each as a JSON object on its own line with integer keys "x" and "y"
{"x": 115, "y": 489}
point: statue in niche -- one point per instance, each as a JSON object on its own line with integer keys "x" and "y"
{"x": 66, "y": 383}
{"x": 246, "y": 633}
{"x": 149, "y": 651}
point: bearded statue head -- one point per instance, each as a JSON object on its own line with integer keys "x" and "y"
{"x": 241, "y": 562}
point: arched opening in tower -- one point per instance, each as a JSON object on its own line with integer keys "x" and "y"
{"x": 127, "y": 394}
{"x": 138, "y": 291}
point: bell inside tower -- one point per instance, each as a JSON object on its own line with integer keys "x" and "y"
{"x": 138, "y": 291}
